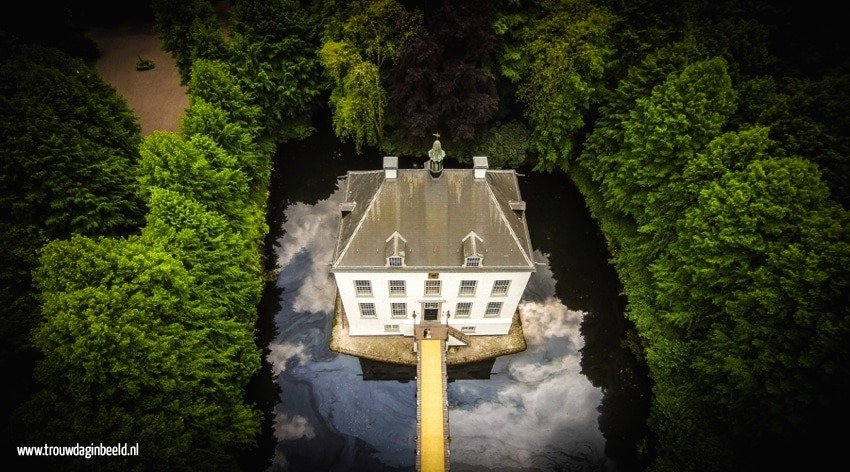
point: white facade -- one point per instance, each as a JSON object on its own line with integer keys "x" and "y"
{"x": 482, "y": 291}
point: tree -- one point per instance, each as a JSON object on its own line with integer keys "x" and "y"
{"x": 644, "y": 26}
{"x": 108, "y": 304}
{"x": 732, "y": 256}
{"x": 222, "y": 110}
{"x": 186, "y": 29}
{"x": 665, "y": 205}
{"x": 608, "y": 135}
{"x": 69, "y": 142}
{"x": 70, "y": 146}
{"x": 443, "y": 81}
{"x": 560, "y": 61}
{"x": 196, "y": 168}
{"x": 215, "y": 82}
{"x": 225, "y": 270}
{"x": 664, "y": 131}
{"x": 358, "y": 98}
{"x": 273, "y": 48}
{"x": 741, "y": 43}
{"x": 807, "y": 118}
{"x": 506, "y": 145}
{"x": 355, "y": 54}
{"x": 756, "y": 282}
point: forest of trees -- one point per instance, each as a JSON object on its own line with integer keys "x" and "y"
{"x": 711, "y": 141}
{"x": 134, "y": 263}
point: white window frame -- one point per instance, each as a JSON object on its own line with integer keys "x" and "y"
{"x": 395, "y": 261}
{"x": 363, "y": 288}
{"x": 494, "y": 309}
{"x": 459, "y": 312}
{"x": 473, "y": 261}
{"x": 497, "y": 288}
{"x": 433, "y": 283}
{"x": 467, "y": 290}
{"x": 398, "y": 305}
{"x": 394, "y": 292}
{"x": 392, "y": 328}
{"x": 367, "y": 307}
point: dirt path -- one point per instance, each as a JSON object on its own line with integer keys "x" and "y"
{"x": 156, "y": 95}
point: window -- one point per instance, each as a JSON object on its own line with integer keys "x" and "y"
{"x": 391, "y": 328}
{"x": 467, "y": 329}
{"x": 432, "y": 287}
{"x": 397, "y": 288}
{"x": 363, "y": 288}
{"x": 493, "y": 309}
{"x": 473, "y": 261}
{"x": 500, "y": 287}
{"x": 467, "y": 288}
{"x": 395, "y": 261}
{"x": 367, "y": 310}
{"x": 463, "y": 309}
{"x": 399, "y": 310}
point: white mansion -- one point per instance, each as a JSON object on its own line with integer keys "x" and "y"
{"x": 431, "y": 247}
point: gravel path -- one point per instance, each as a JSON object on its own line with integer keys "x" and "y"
{"x": 156, "y": 95}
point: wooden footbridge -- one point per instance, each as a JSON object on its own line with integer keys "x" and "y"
{"x": 432, "y": 412}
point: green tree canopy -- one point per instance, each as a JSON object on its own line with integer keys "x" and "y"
{"x": 664, "y": 131}
{"x": 273, "y": 51}
{"x": 69, "y": 144}
{"x": 358, "y": 99}
{"x": 506, "y": 145}
{"x": 757, "y": 279}
{"x": 807, "y": 118}
{"x": 197, "y": 168}
{"x": 109, "y": 304}
{"x": 444, "y": 81}
{"x": 69, "y": 148}
{"x": 224, "y": 268}
{"x": 559, "y": 57}
{"x": 356, "y": 52}
{"x": 188, "y": 30}
{"x": 377, "y": 29}
{"x": 608, "y": 135}
{"x": 222, "y": 110}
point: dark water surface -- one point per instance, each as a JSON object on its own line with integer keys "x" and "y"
{"x": 574, "y": 400}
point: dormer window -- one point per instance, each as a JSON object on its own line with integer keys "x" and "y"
{"x": 395, "y": 249}
{"x": 472, "y": 250}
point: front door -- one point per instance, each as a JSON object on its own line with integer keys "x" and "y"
{"x": 431, "y": 312}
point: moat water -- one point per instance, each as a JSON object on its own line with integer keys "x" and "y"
{"x": 576, "y": 399}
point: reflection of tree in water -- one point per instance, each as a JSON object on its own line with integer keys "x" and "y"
{"x": 624, "y": 379}
{"x": 353, "y": 423}
{"x": 576, "y": 252}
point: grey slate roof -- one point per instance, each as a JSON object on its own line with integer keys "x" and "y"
{"x": 433, "y": 215}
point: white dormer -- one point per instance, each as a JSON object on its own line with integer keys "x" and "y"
{"x": 395, "y": 250}
{"x": 472, "y": 247}
{"x": 347, "y": 207}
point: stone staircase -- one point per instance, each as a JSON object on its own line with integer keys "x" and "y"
{"x": 457, "y": 334}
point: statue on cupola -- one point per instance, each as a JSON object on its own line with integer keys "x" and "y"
{"x": 435, "y": 157}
